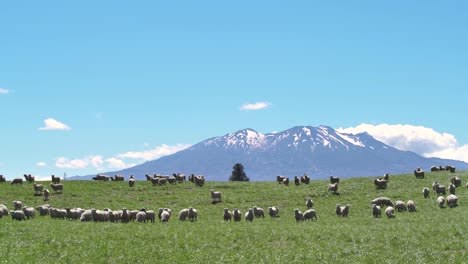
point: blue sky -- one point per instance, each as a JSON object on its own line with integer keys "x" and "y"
{"x": 118, "y": 80}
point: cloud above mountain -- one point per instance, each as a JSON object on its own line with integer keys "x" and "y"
{"x": 52, "y": 124}
{"x": 255, "y": 106}
{"x": 422, "y": 140}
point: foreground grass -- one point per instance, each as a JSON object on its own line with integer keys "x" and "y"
{"x": 432, "y": 235}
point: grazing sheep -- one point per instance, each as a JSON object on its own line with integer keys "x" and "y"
{"x": 411, "y": 206}
{"x": 192, "y": 214}
{"x": 46, "y": 194}
{"x": 183, "y": 214}
{"x": 38, "y": 189}
{"x": 452, "y": 200}
{"x": 390, "y": 212}
{"x": 400, "y": 206}
{"x": 87, "y": 216}
{"x": 55, "y": 179}
{"x": 376, "y": 211}
{"x": 386, "y": 176}
{"x": 237, "y": 215}
{"x": 100, "y": 177}
{"x": 118, "y": 178}
{"x": 258, "y": 212}
{"x": 309, "y": 203}
{"x": 333, "y": 187}
{"x": 450, "y": 168}
{"x": 3, "y": 210}
{"x": 451, "y": 188}
{"x": 150, "y": 216}
{"x": 43, "y": 209}
{"x": 141, "y": 217}
{"x": 280, "y": 179}
{"x": 215, "y": 196}
{"x": 273, "y": 211}
{"x": 380, "y": 183}
{"x": 298, "y": 215}
{"x": 334, "y": 179}
{"x": 17, "y": 205}
{"x": 419, "y": 173}
{"x": 57, "y": 187}
{"x": 29, "y": 212}
{"x": 74, "y": 214}
{"x": 249, "y": 216}
{"x": 199, "y": 180}
{"x": 441, "y": 201}
{"x": 18, "y": 215}
{"x": 131, "y": 182}
{"x": 344, "y": 210}
{"x": 29, "y": 178}
{"x": 310, "y": 214}
{"x": 125, "y": 217}
{"x": 57, "y": 213}
{"x": 439, "y": 189}
{"x": 426, "y": 192}
{"x": 455, "y": 180}
{"x": 227, "y": 215}
{"x": 165, "y": 216}
{"x": 286, "y": 181}
{"x": 382, "y": 201}
{"x": 305, "y": 179}
{"x": 17, "y": 181}
{"x": 338, "y": 210}
{"x": 297, "y": 182}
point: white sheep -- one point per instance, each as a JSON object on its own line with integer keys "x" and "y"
{"x": 441, "y": 201}
{"x": 215, "y": 196}
{"x": 390, "y": 212}
{"x": 43, "y": 209}
{"x": 3, "y": 210}
{"x": 310, "y": 214}
{"x": 249, "y": 216}
{"x": 338, "y": 209}
{"x": 452, "y": 188}
{"x": 258, "y": 212}
{"x": 73, "y": 214}
{"x": 452, "y": 200}
{"x": 17, "y": 205}
{"x": 29, "y": 212}
{"x": 151, "y": 215}
{"x": 309, "y": 203}
{"x": 183, "y": 214}
{"x": 18, "y": 215}
{"x": 273, "y": 211}
{"x": 376, "y": 211}
{"x": 333, "y": 187}
{"x": 57, "y": 187}
{"x": 227, "y": 216}
{"x": 192, "y": 214}
{"x": 298, "y": 215}
{"x": 46, "y": 194}
{"x": 400, "y": 206}
{"x": 141, "y": 217}
{"x": 345, "y": 210}
{"x": 38, "y": 189}
{"x": 439, "y": 189}
{"x": 86, "y": 216}
{"x": 132, "y": 214}
{"x": 237, "y": 215}
{"x": 411, "y": 206}
{"x": 426, "y": 192}
{"x": 165, "y": 216}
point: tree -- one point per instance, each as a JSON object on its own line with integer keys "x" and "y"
{"x": 238, "y": 173}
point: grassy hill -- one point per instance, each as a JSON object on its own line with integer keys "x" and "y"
{"x": 431, "y": 235}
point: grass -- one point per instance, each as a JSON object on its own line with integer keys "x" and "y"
{"x": 432, "y": 235}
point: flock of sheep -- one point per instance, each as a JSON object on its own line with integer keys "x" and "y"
{"x": 21, "y": 212}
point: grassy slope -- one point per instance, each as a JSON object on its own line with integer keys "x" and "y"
{"x": 431, "y": 235}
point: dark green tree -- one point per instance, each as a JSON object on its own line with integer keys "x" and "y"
{"x": 238, "y": 173}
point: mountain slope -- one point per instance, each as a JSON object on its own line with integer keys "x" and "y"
{"x": 317, "y": 151}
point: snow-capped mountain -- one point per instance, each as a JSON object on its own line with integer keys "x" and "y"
{"x": 317, "y": 151}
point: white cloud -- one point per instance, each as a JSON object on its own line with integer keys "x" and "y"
{"x": 52, "y": 124}
{"x": 114, "y": 163}
{"x": 422, "y": 140}
{"x": 155, "y": 153}
{"x": 4, "y": 91}
{"x": 65, "y": 163}
{"x": 41, "y": 164}
{"x": 255, "y": 106}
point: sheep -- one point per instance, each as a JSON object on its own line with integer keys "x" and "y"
{"x": 227, "y": 216}
{"x": 452, "y": 200}
{"x": 376, "y": 211}
{"x": 439, "y": 189}
{"x": 450, "y": 168}
{"x": 280, "y": 179}
{"x": 115, "y": 216}
{"x": 386, "y": 177}
{"x": 382, "y": 201}
{"x": 286, "y": 181}
{"x": 309, "y": 203}
{"x": 199, "y": 180}
{"x": 38, "y": 189}
{"x": 419, "y": 173}
{"x": 118, "y": 178}
{"x": 165, "y": 216}
{"x": 151, "y": 216}
{"x": 258, "y": 212}
{"x": 305, "y": 179}
{"x": 131, "y": 182}
{"x": 17, "y": 181}
{"x": 455, "y": 180}
{"x": 29, "y": 178}
{"x": 141, "y": 217}
{"x": 183, "y": 214}
{"x": 43, "y": 209}
{"x": 87, "y": 216}
{"x": 334, "y": 180}
{"x": 57, "y": 187}
{"x": 451, "y": 188}
{"x": 18, "y": 215}
{"x": 192, "y": 214}
{"x": 411, "y": 206}
{"x": 237, "y": 215}
{"x": 333, "y": 187}
{"x": 298, "y": 215}
{"x": 55, "y": 179}
{"x": 125, "y": 217}
{"x": 3, "y": 210}
{"x": 310, "y": 214}
{"x": 380, "y": 183}
{"x": 73, "y": 214}
{"x": 2, "y": 179}
{"x": 390, "y": 212}
{"x": 100, "y": 216}
{"x": 441, "y": 201}
{"x": 29, "y": 212}
{"x": 338, "y": 210}
{"x": 344, "y": 210}
{"x": 215, "y": 196}
{"x": 297, "y": 182}
{"x": 426, "y": 192}
{"x": 17, "y": 205}
{"x": 400, "y": 206}
{"x": 249, "y": 216}
{"x": 273, "y": 211}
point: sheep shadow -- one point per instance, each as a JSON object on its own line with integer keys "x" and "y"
{"x": 216, "y": 202}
